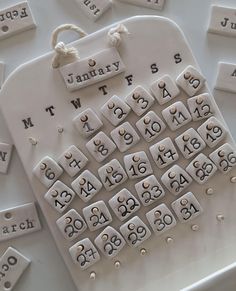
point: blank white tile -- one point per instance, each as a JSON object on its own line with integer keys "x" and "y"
{"x": 224, "y": 158}
{"x": 176, "y": 179}
{"x": 59, "y": 196}
{"x": 97, "y": 215}
{"x": 190, "y": 143}
{"x": 149, "y": 190}
{"x": 150, "y": 126}
{"x": 226, "y": 77}
{"x": 110, "y": 242}
{"x": 190, "y": 81}
{"x": 112, "y": 175}
{"x": 100, "y": 146}
{"x": 187, "y": 207}
{"x": 73, "y": 161}
{"x": 161, "y": 219}
{"x": 87, "y": 122}
{"x": 115, "y": 110}
{"x": 176, "y": 115}
{"x": 71, "y": 225}
{"x": 135, "y": 232}
{"x": 201, "y": 107}
{"x": 5, "y": 157}
{"x": 124, "y": 204}
{"x": 86, "y": 186}
{"x": 139, "y": 100}
{"x": 165, "y": 89}
{"x": 84, "y": 254}
{"x": 137, "y": 165}
{"x": 201, "y": 169}
{"x": 212, "y": 131}
{"x": 47, "y": 171}
{"x": 125, "y": 136}
{"x": 164, "y": 153}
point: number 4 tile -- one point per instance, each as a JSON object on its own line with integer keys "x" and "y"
{"x": 5, "y": 157}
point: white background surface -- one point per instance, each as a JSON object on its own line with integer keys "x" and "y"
{"x": 47, "y": 271}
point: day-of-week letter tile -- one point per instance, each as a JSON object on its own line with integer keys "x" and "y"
{"x": 94, "y": 8}
{"x": 93, "y": 69}
{"x": 18, "y": 221}
{"x": 223, "y": 20}
{"x": 5, "y": 157}
{"x": 16, "y": 19}
{"x": 226, "y": 77}
{"x": 12, "y": 264}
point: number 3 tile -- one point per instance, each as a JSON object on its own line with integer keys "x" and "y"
{"x": 187, "y": 207}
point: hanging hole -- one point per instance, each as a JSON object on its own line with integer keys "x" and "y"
{"x": 7, "y": 285}
{"x": 8, "y": 215}
{"x": 5, "y": 28}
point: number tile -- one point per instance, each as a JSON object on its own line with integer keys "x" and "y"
{"x": 87, "y": 122}
{"x": 187, "y": 207}
{"x": 101, "y": 146}
{"x": 59, "y": 196}
{"x": 71, "y": 225}
{"x": 176, "y": 115}
{"x": 224, "y": 158}
{"x": 47, "y": 171}
{"x": 112, "y": 175}
{"x": 164, "y": 153}
{"x": 150, "y": 126}
{"x": 149, "y": 190}
{"x": 201, "y": 107}
{"x": 137, "y": 165}
{"x": 124, "y": 204}
{"x": 125, "y": 137}
{"x": 139, "y": 100}
{"x": 135, "y": 232}
{"x": 84, "y": 253}
{"x": 73, "y": 161}
{"x": 212, "y": 131}
{"x": 191, "y": 81}
{"x": 115, "y": 110}
{"x": 86, "y": 186}
{"x": 201, "y": 169}
{"x": 176, "y": 179}
{"x": 110, "y": 242}
{"x": 161, "y": 219}
{"x": 164, "y": 89}
{"x": 97, "y": 215}
{"x": 190, "y": 143}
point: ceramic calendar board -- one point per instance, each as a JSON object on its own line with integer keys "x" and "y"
{"x": 43, "y": 106}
